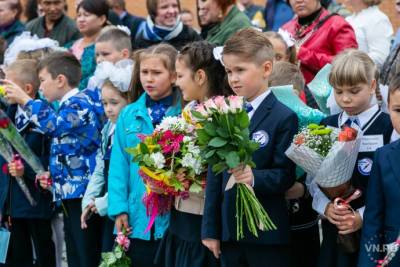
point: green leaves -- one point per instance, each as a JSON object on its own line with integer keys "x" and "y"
{"x": 232, "y": 159}
{"x": 218, "y": 142}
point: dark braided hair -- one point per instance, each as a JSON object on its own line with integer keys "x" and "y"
{"x": 199, "y": 55}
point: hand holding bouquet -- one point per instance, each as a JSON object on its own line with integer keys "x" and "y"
{"x": 225, "y": 143}
{"x": 170, "y": 164}
{"x": 117, "y": 257}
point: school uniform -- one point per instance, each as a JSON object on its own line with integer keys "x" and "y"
{"x": 377, "y": 130}
{"x": 181, "y": 245}
{"x": 273, "y": 125}
{"x": 381, "y": 224}
{"x": 126, "y": 188}
{"x": 75, "y": 132}
{"x": 97, "y": 189}
{"x": 27, "y": 222}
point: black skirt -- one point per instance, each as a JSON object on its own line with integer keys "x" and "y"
{"x": 181, "y": 245}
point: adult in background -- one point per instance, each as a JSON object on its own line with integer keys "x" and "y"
{"x": 372, "y": 27}
{"x": 319, "y": 35}
{"x": 91, "y": 17}
{"x": 277, "y": 13}
{"x": 54, "y": 24}
{"x": 164, "y": 25}
{"x": 254, "y": 12}
{"x": 132, "y": 22}
{"x": 10, "y": 25}
{"x": 221, "y": 19}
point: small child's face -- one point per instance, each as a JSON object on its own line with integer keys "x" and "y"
{"x": 187, "y": 19}
{"x": 113, "y": 102}
{"x": 246, "y": 78}
{"x": 156, "y": 79}
{"x": 186, "y": 83}
{"x": 105, "y": 51}
{"x": 394, "y": 109}
{"x": 49, "y": 86}
{"x": 280, "y": 50}
{"x": 354, "y": 99}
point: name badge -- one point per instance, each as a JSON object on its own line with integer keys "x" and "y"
{"x": 370, "y": 143}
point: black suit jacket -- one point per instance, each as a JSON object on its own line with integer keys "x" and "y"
{"x": 273, "y": 175}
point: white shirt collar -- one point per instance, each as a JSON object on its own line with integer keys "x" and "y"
{"x": 363, "y": 117}
{"x": 257, "y": 101}
{"x": 68, "y": 95}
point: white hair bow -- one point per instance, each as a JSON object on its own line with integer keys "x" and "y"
{"x": 287, "y": 37}
{"x": 120, "y": 74}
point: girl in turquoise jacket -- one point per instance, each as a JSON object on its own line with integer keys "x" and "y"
{"x": 154, "y": 73}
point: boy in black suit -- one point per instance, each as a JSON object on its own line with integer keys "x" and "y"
{"x": 247, "y": 57}
{"x": 381, "y": 224}
{"x": 28, "y": 224}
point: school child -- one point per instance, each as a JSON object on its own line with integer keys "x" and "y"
{"x": 381, "y": 225}
{"x": 303, "y": 219}
{"x": 247, "y": 57}
{"x": 75, "y": 133}
{"x": 154, "y": 98}
{"x": 27, "y": 222}
{"x": 285, "y": 50}
{"x": 353, "y": 79}
{"x": 199, "y": 77}
{"x": 114, "y": 83}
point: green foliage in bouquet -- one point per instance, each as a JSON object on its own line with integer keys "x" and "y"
{"x": 225, "y": 140}
{"x": 317, "y": 137}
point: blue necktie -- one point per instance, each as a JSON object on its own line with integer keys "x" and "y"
{"x": 158, "y": 108}
{"x": 352, "y": 122}
{"x": 248, "y": 107}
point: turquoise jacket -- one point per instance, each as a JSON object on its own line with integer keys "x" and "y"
{"x": 125, "y": 187}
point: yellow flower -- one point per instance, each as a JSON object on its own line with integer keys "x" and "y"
{"x": 2, "y": 91}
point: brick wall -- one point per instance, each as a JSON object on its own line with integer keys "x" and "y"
{"x": 139, "y": 7}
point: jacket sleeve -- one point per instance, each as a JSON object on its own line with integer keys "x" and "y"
{"x": 119, "y": 172}
{"x": 374, "y": 216}
{"x": 342, "y": 36}
{"x": 96, "y": 181}
{"x": 57, "y": 124}
{"x": 211, "y": 222}
{"x": 281, "y": 176}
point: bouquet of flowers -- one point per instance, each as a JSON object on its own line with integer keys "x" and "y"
{"x": 328, "y": 155}
{"x": 169, "y": 160}
{"x": 225, "y": 143}
{"x": 117, "y": 257}
{"x": 11, "y": 134}
{"x": 7, "y": 153}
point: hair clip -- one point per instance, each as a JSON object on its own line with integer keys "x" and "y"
{"x": 287, "y": 37}
{"x": 124, "y": 29}
{"x": 217, "y": 53}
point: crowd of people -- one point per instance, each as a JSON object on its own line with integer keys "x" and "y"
{"x": 82, "y": 90}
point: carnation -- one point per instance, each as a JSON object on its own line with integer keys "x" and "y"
{"x": 158, "y": 160}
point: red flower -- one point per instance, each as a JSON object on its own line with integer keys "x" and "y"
{"x": 4, "y": 168}
{"x": 170, "y": 142}
{"x": 347, "y": 134}
{"x": 4, "y": 123}
{"x": 299, "y": 140}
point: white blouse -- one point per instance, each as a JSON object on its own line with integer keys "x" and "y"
{"x": 373, "y": 32}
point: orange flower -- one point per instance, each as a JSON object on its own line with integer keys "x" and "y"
{"x": 347, "y": 134}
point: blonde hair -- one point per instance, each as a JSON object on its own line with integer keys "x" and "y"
{"x": 37, "y": 54}
{"x": 250, "y": 44}
{"x": 285, "y": 73}
{"x": 109, "y": 84}
{"x": 351, "y": 68}
{"x": 165, "y": 52}
{"x": 26, "y": 72}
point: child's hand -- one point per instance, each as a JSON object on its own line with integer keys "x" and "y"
{"x": 156, "y": 189}
{"x": 335, "y": 216}
{"x": 213, "y": 245}
{"x": 350, "y": 223}
{"x": 296, "y": 191}
{"x": 44, "y": 180}
{"x": 243, "y": 175}
{"x": 86, "y": 213}
{"x": 16, "y": 168}
{"x": 122, "y": 222}
{"x": 15, "y": 94}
